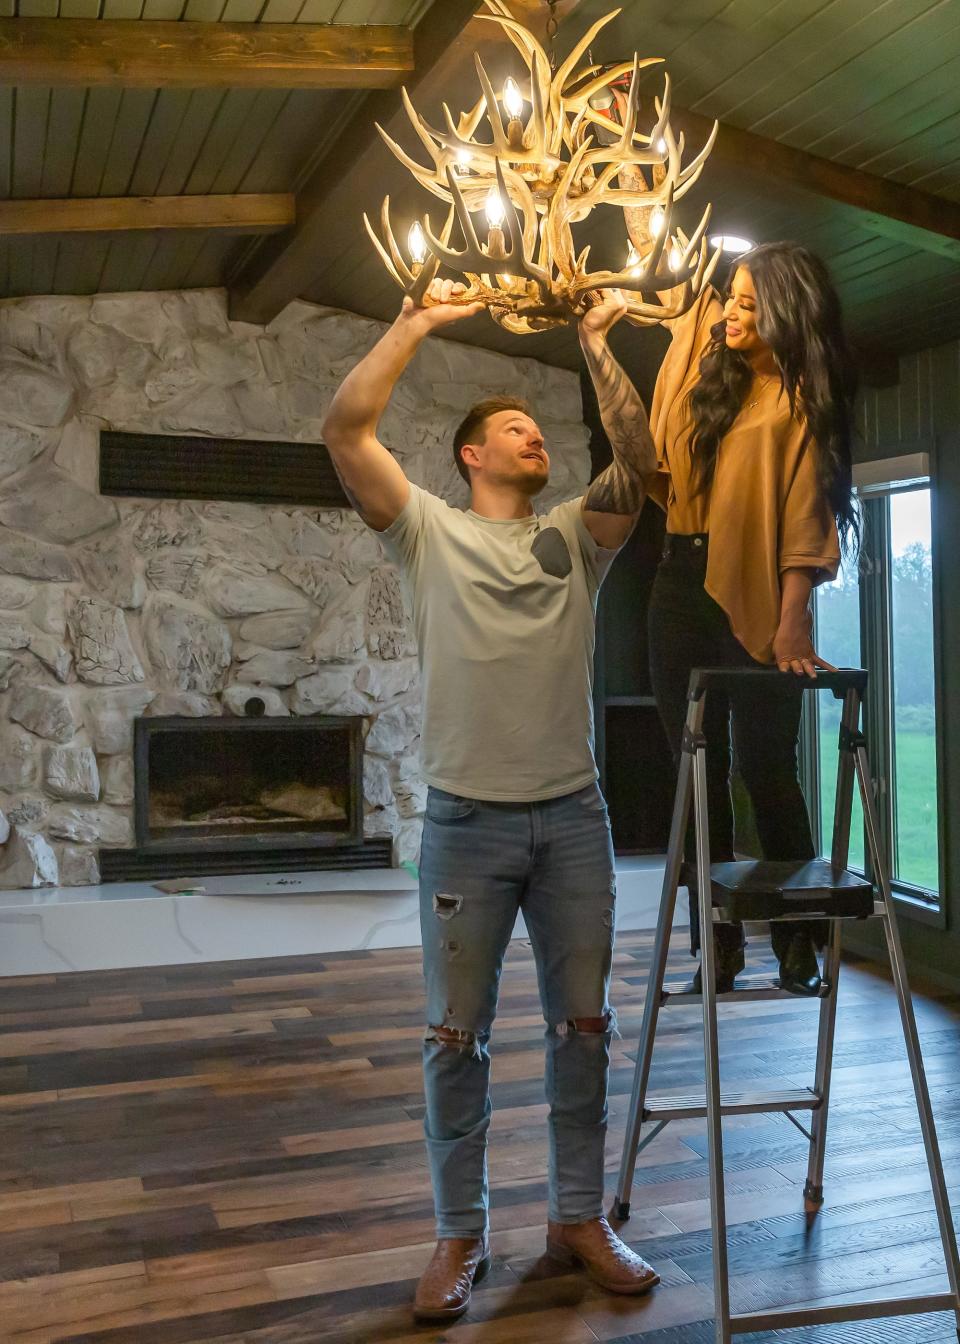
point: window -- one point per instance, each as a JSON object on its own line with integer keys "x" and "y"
{"x": 913, "y": 746}
{"x": 838, "y": 641}
{"x": 881, "y": 615}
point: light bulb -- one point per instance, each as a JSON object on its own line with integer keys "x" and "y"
{"x": 661, "y": 146}
{"x": 494, "y": 208}
{"x": 656, "y": 221}
{"x": 675, "y": 259}
{"x": 512, "y": 97}
{"x": 417, "y": 244}
{"x": 633, "y": 260}
{"x": 464, "y": 157}
{"x": 729, "y": 242}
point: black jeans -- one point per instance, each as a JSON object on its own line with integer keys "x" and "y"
{"x": 687, "y": 630}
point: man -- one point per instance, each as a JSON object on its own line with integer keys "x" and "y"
{"x": 504, "y": 606}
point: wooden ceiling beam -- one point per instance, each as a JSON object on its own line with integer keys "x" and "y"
{"x": 915, "y": 218}
{"x": 117, "y": 214}
{"x": 89, "y": 53}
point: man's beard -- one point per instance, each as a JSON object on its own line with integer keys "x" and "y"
{"x": 531, "y": 484}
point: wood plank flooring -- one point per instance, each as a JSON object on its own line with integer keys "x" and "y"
{"x": 232, "y": 1154}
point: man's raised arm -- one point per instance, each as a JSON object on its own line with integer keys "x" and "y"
{"x": 614, "y": 499}
{"x": 371, "y": 476}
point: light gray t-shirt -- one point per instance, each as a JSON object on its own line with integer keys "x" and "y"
{"x": 505, "y": 621}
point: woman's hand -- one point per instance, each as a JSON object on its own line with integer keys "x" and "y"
{"x": 793, "y": 649}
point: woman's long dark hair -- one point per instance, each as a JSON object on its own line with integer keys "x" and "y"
{"x": 799, "y": 318}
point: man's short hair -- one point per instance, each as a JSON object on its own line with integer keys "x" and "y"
{"x": 472, "y": 424}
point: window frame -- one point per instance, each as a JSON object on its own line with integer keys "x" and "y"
{"x": 878, "y": 482}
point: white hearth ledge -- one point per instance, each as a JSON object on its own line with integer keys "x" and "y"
{"x": 124, "y": 924}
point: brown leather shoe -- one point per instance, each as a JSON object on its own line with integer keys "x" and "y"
{"x": 443, "y": 1292}
{"x": 608, "y": 1260}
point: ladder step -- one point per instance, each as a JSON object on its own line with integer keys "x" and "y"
{"x": 686, "y": 1105}
{"x": 789, "y": 1318}
{"x": 750, "y": 989}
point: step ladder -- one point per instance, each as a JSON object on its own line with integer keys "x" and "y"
{"x": 819, "y": 889}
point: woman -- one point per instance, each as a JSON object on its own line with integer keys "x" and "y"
{"x": 752, "y": 420}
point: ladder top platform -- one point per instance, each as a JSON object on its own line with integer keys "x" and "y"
{"x": 762, "y": 889}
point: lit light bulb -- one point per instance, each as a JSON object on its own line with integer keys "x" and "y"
{"x": 661, "y": 146}
{"x": 512, "y": 97}
{"x": 494, "y": 209}
{"x": 729, "y": 242}
{"x": 675, "y": 259}
{"x": 657, "y": 218}
{"x": 464, "y": 157}
{"x": 417, "y": 244}
{"x": 633, "y": 260}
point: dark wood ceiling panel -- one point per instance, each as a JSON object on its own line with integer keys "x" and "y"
{"x": 884, "y": 50}
{"x": 913, "y": 107}
{"x": 208, "y": 265}
{"x": 64, "y": 120}
{"x": 249, "y": 141}
{"x": 79, "y": 263}
{"x": 43, "y": 265}
{"x": 164, "y": 135}
{"x": 809, "y": 60}
{"x": 133, "y": 118}
{"x": 304, "y": 119}
{"x": 203, "y": 109}
{"x": 803, "y": 72}
{"x": 171, "y": 257}
{"x": 99, "y": 118}
{"x": 175, "y": 258}
{"x": 230, "y": 128}
{"x": 703, "y": 49}
{"x": 125, "y": 257}
{"x": 921, "y": 157}
{"x": 29, "y": 137}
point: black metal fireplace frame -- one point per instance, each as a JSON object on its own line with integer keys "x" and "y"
{"x": 144, "y": 729}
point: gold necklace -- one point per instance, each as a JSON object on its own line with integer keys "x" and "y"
{"x": 764, "y": 379}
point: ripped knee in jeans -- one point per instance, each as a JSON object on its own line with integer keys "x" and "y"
{"x": 588, "y": 1026}
{"x": 467, "y": 1042}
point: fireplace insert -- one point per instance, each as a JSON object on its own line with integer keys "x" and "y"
{"x": 248, "y": 783}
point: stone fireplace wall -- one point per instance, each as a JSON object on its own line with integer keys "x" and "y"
{"x": 113, "y": 608}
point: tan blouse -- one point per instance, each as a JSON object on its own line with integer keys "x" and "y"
{"x": 765, "y": 511}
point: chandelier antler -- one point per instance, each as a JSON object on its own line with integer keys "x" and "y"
{"x": 537, "y": 177}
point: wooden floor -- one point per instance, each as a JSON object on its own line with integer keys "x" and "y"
{"x": 232, "y": 1153}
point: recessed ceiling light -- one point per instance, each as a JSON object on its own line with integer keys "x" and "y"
{"x": 729, "y": 242}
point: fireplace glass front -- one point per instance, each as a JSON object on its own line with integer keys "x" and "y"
{"x": 248, "y": 782}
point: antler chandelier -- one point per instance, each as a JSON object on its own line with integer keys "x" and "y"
{"x": 536, "y": 178}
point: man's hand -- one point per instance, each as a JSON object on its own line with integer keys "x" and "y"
{"x": 793, "y": 649}
{"x": 607, "y": 308}
{"x": 442, "y": 307}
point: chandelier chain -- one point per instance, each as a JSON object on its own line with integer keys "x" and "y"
{"x": 553, "y": 24}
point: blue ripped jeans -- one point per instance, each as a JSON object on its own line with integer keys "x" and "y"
{"x": 480, "y": 863}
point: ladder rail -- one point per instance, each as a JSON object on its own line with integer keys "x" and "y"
{"x": 911, "y": 1036}
{"x": 827, "y": 1026}
{"x": 711, "y": 1043}
{"x": 651, "y": 1008}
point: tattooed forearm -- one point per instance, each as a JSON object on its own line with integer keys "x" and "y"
{"x": 621, "y": 488}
